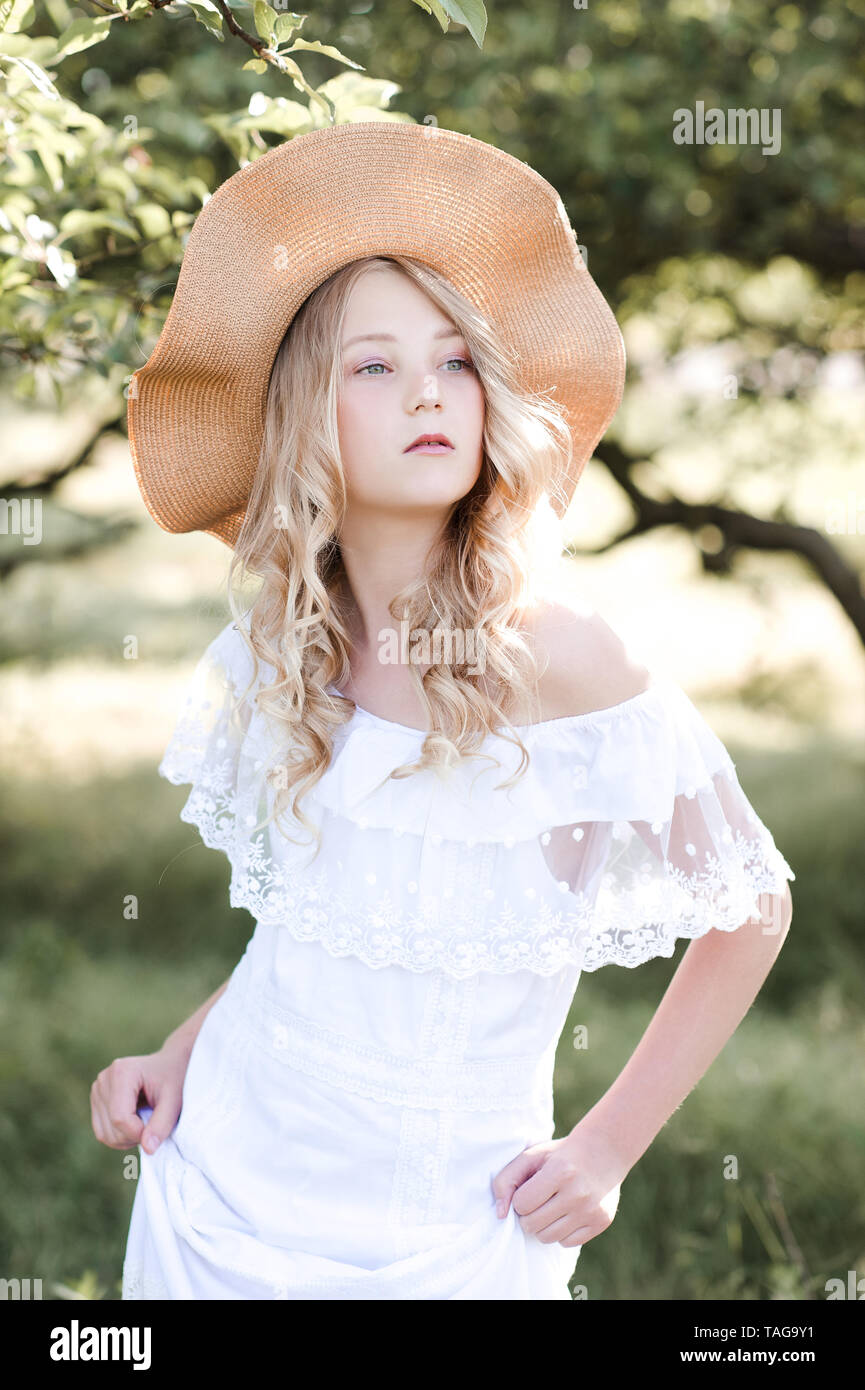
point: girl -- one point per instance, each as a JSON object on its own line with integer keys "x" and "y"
{"x": 365, "y": 1106}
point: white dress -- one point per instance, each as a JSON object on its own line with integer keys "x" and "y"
{"x": 386, "y": 1043}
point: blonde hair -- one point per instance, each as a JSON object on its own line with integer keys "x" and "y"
{"x": 480, "y": 576}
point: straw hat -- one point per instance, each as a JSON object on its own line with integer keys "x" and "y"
{"x": 281, "y": 225}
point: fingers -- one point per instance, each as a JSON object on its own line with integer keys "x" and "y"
{"x": 568, "y": 1230}
{"x": 113, "y": 1101}
{"x": 503, "y": 1188}
{"x": 567, "y": 1222}
{"x": 514, "y": 1174}
{"x": 160, "y": 1124}
{"x": 115, "y": 1095}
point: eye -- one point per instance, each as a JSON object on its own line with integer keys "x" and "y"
{"x": 367, "y": 367}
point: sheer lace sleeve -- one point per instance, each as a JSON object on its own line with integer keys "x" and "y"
{"x": 657, "y": 840}
{"x": 216, "y": 747}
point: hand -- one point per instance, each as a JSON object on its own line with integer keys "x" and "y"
{"x": 564, "y": 1190}
{"x": 114, "y": 1098}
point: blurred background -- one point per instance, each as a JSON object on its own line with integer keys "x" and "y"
{"x": 720, "y": 529}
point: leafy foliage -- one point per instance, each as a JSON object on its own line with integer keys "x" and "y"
{"x": 736, "y": 274}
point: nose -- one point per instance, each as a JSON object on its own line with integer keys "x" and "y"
{"x": 428, "y": 393}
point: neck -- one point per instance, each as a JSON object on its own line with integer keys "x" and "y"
{"x": 380, "y": 560}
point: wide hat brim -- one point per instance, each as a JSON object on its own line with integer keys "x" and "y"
{"x": 275, "y": 230}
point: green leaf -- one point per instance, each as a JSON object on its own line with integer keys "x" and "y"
{"x": 326, "y": 48}
{"x": 78, "y": 221}
{"x": 298, "y": 79}
{"x": 255, "y": 65}
{"x": 114, "y": 176}
{"x": 265, "y": 20}
{"x": 51, "y": 163}
{"x": 195, "y": 187}
{"x": 207, "y": 14}
{"x": 154, "y": 219}
{"x": 12, "y": 274}
{"x": 286, "y": 25}
{"x": 277, "y": 114}
{"x": 21, "y": 44}
{"x": 435, "y": 9}
{"x": 471, "y": 13}
{"x": 16, "y": 15}
{"x": 64, "y": 145}
{"x": 348, "y": 90}
{"x": 374, "y": 113}
{"x": 80, "y": 35}
{"x": 20, "y": 170}
{"x": 37, "y": 75}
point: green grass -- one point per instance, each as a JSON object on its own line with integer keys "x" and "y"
{"x": 752, "y": 1190}
{"x": 82, "y": 983}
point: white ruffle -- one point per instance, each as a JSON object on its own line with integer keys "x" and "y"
{"x": 628, "y": 831}
{"x": 624, "y": 763}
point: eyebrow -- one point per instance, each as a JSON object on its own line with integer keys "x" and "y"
{"x": 389, "y": 337}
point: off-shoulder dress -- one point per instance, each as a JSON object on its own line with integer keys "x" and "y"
{"x": 385, "y": 1044}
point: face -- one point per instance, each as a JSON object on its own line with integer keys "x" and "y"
{"x": 410, "y": 374}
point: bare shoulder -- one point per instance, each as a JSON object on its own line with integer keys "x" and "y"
{"x": 584, "y": 664}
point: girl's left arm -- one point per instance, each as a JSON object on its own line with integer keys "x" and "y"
{"x": 567, "y": 1189}
{"x": 716, "y": 983}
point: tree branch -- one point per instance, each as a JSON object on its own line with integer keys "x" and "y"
{"x": 49, "y": 482}
{"x": 253, "y": 40}
{"x": 738, "y": 529}
{"x": 99, "y": 533}
{"x": 107, "y": 533}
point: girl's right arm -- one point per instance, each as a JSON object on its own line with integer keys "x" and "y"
{"x": 114, "y": 1095}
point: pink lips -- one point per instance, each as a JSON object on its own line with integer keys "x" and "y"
{"x": 430, "y": 444}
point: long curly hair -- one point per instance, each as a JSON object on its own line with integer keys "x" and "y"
{"x": 481, "y": 576}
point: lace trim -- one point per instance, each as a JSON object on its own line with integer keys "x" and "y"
{"x": 656, "y": 767}
{"x": 423, "y": 1153}
{"x": 724, "y": 895}
{"x": 138, "y": 1284}
{"x": 434, "y": 1083}
{"x": 462, "y": 936}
